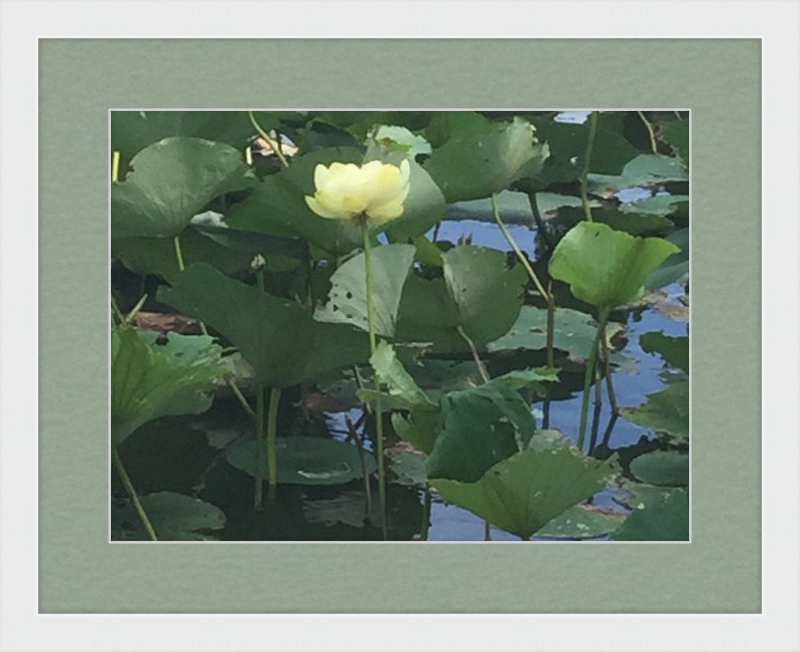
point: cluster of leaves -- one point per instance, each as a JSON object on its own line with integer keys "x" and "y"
{"x": 483, "y": 450}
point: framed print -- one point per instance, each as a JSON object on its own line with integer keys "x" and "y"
{"x": 349, "y": 596}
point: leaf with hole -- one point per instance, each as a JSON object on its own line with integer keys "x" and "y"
{"x": 347, "y": 299}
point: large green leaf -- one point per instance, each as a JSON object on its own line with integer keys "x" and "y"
{"x": 132, "y": 131}
{"x": 669, "y": 468}
{"x": 174, "y": 517}
{"x": 428, "y": 314}
{"x": 149, "y": 381}
{"x": 171, "y": 182}
{"x": 398, "y": 381}
{"x": 665, "y": 517}
{"x": 574, "y": 332}
{"x": 567, "y": 142}
{"x": 229, "y": 250}
{"x": 525, "y": 492}
{"x": 482, "y": 425}
{"x": 674, "y": 350}
{"x": 604, "y": 267}
{"x": 484, "y": 158}
{"x": 665, "y": 411}
{"x": 676, "y": 267}
{"x": 479, "y": 294}
{"x": 487, "y": 294}
{"x": 347, "y": 300}
{"x": 304, "y": 460}
{"x": 277, "y": 337}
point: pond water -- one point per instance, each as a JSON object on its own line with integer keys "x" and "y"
{"x": 186, "y": 454}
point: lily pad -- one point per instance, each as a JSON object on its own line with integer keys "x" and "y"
{"x": 525, "y": 492}
{"x": 663, "y": 518}
{"x": 574, "y": 332}
{"x": 606, "y": 268}
{"x": 674, "y": 350}
{"x": 174, "y": 517}
{"x": 408, "y": 467}
{"x": 347, "y": 300}
{"x": 669, "y": 468}
{"x": 644, "y": 170}
{"x": 304, "y": 460}
{"x": 153, "y": 381}
{"x": 277, "y": 337}
{"x": 485, "y": 158}
{"x": 665, "y": 411}
{"x": 582, "y": 522}
{"x": 171, "y": 182}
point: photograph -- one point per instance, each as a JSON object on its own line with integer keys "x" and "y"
{"x": 399, "y": 325}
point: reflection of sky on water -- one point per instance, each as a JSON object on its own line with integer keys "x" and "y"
{"x": 632, "y": 383}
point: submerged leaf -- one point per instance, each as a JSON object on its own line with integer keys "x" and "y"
{"x": 525, "y": 492}
{"x": 304, "y": 460}
{"x": 174, "y": 517}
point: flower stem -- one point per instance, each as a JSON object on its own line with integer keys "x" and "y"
{"x": 475, "y": 356}
{"x": 586, "y": 162}
{"x": 647, "y": 124}
{"x": 376, "y": 381}
{"x": 117, "y": 461}
{"x": 520, "y": 256}
{"x": 273, "y": 144}
{"x": 272, "y": 443}
{"x": 587, "y": 378}
{"x": 426, "y": 513}
{"x": 181, "y": 266}
{"x": 260, "y": 423}
{"x": 114, "y": 167}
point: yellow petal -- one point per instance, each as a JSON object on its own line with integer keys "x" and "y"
{"x": 319, "y": 209}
